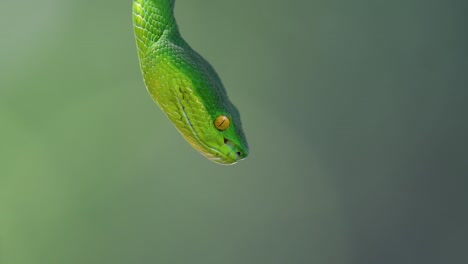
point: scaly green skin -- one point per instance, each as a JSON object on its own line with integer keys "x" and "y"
{"x": 184, "y": 85}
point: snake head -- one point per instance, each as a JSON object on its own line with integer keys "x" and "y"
{"x": 190, "y": 93}
{"x": 201, "y": 111}
{"x": 220, "y": 139}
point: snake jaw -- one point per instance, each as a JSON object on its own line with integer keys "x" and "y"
{"x": 224, "y": 154}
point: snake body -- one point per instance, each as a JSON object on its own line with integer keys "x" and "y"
{"x": 185, "y": 86}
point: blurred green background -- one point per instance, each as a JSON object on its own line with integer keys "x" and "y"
{"x": 355, "y": 113}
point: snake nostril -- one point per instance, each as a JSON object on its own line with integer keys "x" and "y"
{"x": 225, "y": 141}
{"x": 238, "y": 153}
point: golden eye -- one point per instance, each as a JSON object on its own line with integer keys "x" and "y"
{"x": 222, "y": 122}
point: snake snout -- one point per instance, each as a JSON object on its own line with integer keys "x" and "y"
{"x": 235, "y": 152}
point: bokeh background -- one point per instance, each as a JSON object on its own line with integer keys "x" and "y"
{"x": 355, "y": 113}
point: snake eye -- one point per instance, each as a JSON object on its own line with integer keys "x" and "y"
{"x": 222, "y": 122}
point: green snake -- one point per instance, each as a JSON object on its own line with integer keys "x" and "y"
{"x": 185, "y": 86}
